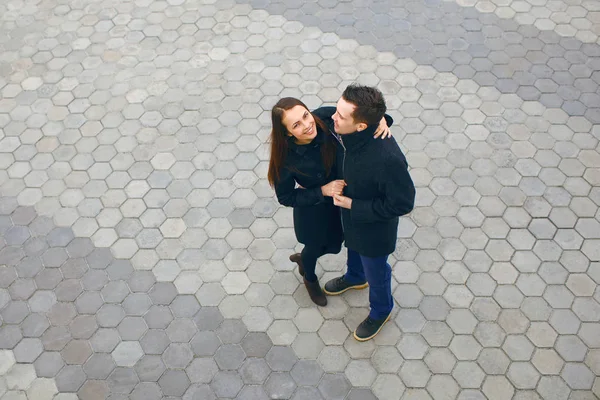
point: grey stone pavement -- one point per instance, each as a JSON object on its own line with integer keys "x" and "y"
{"x": 143, "y": 255}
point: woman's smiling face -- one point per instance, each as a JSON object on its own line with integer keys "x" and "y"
{"x": 300, "y": 123}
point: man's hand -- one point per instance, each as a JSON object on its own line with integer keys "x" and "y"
{"x": 342, "y": 201}
{"x": 333, "y": 188}
{"x": 383, "y": 130}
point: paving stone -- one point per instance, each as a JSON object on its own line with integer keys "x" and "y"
{"x": 281, "y": 358}
{"x": 42, "y": 388}
{"x": 42, "y": 301}
{"x": 410, "y": 321}
{"x": 333, "y": 359}
{"x": 256, "y": 344}
{"x": 498, "y": 387}
{"x": 15, "y": 312}
{"x": 254, "y": 371}
{"x": 178, "y": 355}
{"x": 253, "y": 392}
{"x": 158, "y": 317}
{"x": 150, "y": 368}
{"x": 414, "y": 373}
{"x": 541, "y": 334}
{"x": 154, "y": 341}
{"x": 412, "y": 347}
{"x": 592, "y": 360}
{"x": 8, "y": 361}
{"x": 110, "y": 315}
{"x": 577, "y": 376}
{"x": 48, "y": 364}
{"x": 99, "y": 366}
{"x": 184, "y": 306}
{"x": 280, "y": 385}
{"x": 308, "y": 392}
{"x": 28, "y": 350}
{"x": 207, "y": 318}
{"x": 34, "y": 325}
{"x": 436, "y": 333}
{"x": 105, "y": 340}
{"x": 387, "y": 359}
{"x": 434, "y": 308}
{"x": 226, "y": 384}
{"x": 553, "y": 387}
{"x": 132, "y": 328}
{"x": 181, "y": 330}
{"x": 257, "y": 319}
{"x": 141, "y": 281}
{"x": 20, "y": 376}
{"x": 586, "y": 309}
{"x": 230, "y": 357}
{"x": 465, "y": 347}
{"x": 334, "y": 386}
{"x": 127, "y": 353}
{"x": 59, "y": 237}
{"x": 146, "y": 390}
{"x": 440, "y": 384}
{"x": 468, "y": 375}
{"x": 523, "y": 375}
{"x": 461, "y": 321}
{"x": 115, "y": 292}
{"x": 163, "y": 293}
{"x": 70, "y": 378}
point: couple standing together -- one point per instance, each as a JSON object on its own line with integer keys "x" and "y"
{"x": 330, "y": 160}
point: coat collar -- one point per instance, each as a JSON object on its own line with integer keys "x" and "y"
{"x": 357, "y": 140}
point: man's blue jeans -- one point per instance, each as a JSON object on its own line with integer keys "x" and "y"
{"x": 378, "y": 273}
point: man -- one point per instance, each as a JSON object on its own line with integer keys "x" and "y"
{"x": 378, "y": 190}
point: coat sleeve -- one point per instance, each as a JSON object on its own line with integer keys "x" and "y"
{"x": 290, "y": 196}
{"x": 324, "y": 113}
{"x": 397, "y": 199}
{"x": 389, "y": 120}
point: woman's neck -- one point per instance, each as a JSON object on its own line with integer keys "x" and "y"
{"x": 303, "y": 142}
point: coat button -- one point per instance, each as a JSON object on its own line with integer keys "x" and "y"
{"x": 319, "y": 175}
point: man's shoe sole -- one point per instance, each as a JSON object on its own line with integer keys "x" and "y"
{"x": 373, "y": 335}
{"x": 356, "y": 287}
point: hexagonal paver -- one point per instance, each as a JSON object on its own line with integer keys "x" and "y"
{"x": 226, "y": 384}
{"x": 126, "y": 354}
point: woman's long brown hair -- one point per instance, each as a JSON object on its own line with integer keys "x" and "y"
{"x": 280, "y": 140}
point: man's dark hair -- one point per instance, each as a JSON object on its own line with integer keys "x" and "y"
{"x": 369, "y": 102}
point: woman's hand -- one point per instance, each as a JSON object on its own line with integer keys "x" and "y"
{"x": 333, "y": 188}
{"x": 342, "y": 201}
{"x": 382, "y": 130}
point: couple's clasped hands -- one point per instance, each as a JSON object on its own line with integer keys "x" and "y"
{"x": 335, "y": 189}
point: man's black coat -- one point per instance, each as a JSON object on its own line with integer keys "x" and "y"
{"x": 378, "y": 182}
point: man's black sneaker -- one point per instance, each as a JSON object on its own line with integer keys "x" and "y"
{"x": 369, "y": 328}
{"x": 297, "y": 258}
{"x": 339, "y": 285}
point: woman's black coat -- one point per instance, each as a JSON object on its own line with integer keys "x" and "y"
{"x": 317, "y": 221}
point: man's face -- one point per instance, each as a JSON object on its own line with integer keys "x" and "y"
{"x": 343, "y": 120}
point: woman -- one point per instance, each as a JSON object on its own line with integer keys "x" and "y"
{"x": 301, "y": 169}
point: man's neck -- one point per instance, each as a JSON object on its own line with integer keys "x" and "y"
{"x": 359, "y": 138}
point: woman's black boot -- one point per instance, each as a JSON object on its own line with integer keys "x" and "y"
{"x": 297, "y": 258}
{"x": 316, "y": 293}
